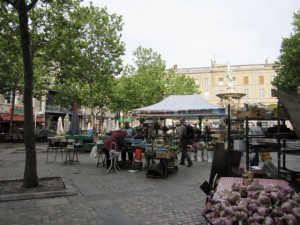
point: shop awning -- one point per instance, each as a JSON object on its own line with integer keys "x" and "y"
{"x": 126, "y": 120}
{"x": 19, "y": 118}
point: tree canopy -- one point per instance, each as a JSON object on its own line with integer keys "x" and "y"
{"x": 148, "y": 82}
{"x": 288, "y": 65}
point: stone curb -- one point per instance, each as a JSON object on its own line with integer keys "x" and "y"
{"x": 49, "y": 194}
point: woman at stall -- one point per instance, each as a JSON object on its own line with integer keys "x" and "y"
{"x": 118, "y": 138}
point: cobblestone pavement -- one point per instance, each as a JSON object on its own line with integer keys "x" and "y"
{"x": 125, "y": 198}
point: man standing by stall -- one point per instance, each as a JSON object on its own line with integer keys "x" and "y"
{"x": 184, "y": 141}
{"x": 130, "y": 131}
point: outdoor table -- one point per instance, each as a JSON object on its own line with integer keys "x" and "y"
{"x": 79, "y": 137}
{"x": 226, "y": 182}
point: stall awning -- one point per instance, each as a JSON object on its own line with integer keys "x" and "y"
{"x": 181, "y": 106}
{"x": 19, "y": 118}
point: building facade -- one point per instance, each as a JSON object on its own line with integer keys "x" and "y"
{"x": 18, "y": 114}
{"x": 253, "y": 80}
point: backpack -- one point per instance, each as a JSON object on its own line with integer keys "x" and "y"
{"x": 190, "y": 133}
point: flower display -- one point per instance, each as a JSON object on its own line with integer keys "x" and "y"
{"x": 209, "y": 147}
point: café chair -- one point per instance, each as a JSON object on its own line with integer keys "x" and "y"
{"x": 53, "y": 146}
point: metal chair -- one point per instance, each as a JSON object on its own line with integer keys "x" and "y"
{"x": 113, "y": 156}
{"x": 56, "y": 147}
{"x": 8, "y": 137}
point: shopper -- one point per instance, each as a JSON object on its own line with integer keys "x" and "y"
{"x": 183, "y": 143}
{"x": 256, "y": 131}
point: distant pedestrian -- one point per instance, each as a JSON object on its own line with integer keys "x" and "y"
{"x": 184, "y": 143}
{"x": 256, "y": 131}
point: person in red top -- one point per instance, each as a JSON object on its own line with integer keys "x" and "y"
{"x": 117, "y": 137}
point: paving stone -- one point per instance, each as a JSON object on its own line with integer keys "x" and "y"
{"x": 113, "y": 199}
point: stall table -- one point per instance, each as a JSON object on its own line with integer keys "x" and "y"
{"x": 71, "y": 156}
{"x": 166, "y": 163}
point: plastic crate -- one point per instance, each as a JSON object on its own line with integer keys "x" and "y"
{"x": 137, "y": 141}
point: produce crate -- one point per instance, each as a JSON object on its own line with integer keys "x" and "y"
{"x": 208, "y": 221}
{"x": 290, "y": 175}
{"x": 161, "y": 153}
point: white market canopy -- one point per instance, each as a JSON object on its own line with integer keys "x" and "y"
{"x": 181, "y": 106}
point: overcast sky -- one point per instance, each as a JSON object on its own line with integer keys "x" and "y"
{"x": 190, "y": 33}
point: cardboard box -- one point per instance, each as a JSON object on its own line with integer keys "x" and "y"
{"x": 252, "y": 113}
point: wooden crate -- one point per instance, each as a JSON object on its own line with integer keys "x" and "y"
{"x": 161, "y": 155}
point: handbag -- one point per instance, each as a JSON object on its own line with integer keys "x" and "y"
{"x": 94, "y": 153}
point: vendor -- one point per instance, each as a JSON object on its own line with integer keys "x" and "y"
{"x": 130, "y": 131}
{"x": 118, "y": 138}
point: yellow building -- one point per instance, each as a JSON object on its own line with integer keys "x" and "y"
{"x": 254, "y": 80}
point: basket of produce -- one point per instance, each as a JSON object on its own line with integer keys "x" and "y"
{"x": 254, "y": 204}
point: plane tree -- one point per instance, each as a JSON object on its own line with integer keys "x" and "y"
{"x": 287, "y": 66}
{"x": 88, "y": 63}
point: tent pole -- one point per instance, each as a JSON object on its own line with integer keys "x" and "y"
{"x": 200, "y": 125}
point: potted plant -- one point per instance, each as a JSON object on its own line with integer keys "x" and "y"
{"x": 199, "y": 146}
{"x": 210, "y": 152}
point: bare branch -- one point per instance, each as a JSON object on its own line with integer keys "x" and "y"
{"x": 31, "y": 5}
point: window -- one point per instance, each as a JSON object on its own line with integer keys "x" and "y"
{"x": 246, "y": 92}
{"x": 221, "y": 82}
{"x": 273, "y": 92}
{"x": 261, "y": 79}
{"x": 197, "y": 82}
{"x": 9, "y": 98}
{"x": 233, "y": 80}
{"x": 220, "y": 91}
{"x": 261, "y": 93}
{"x": 246, "y": 81}
{"x": 205, "y": 81}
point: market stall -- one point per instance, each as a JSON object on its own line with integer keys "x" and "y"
{"x": 175, "y": 106}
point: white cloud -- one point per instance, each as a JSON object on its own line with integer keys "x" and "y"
{"x": 189, "y": 33}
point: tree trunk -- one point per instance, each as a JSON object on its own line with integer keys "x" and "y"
{"x": 93, "y": 124}
{"x": 12, "y": 111}
{"x": 30, "y": 173}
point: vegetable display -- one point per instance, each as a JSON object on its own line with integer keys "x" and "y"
{"x": 255, "y": 204}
